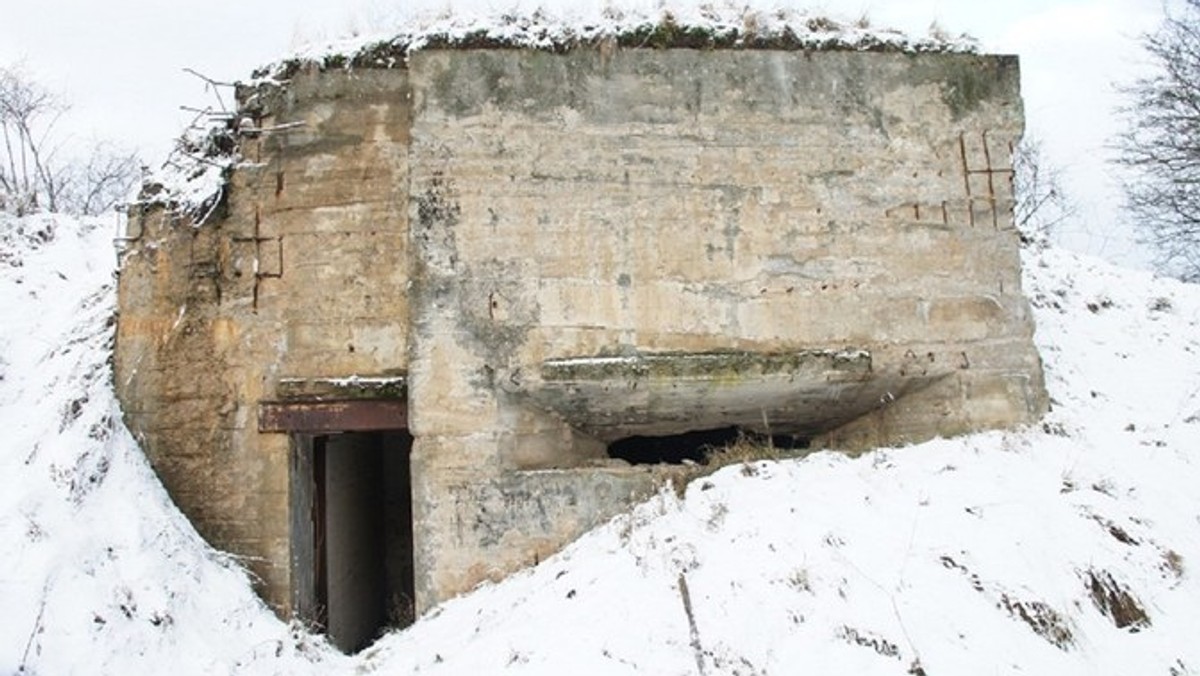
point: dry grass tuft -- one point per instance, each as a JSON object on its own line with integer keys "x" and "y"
{"x": 1115, "y": 601}
{"x": 1042, "y": 619}
{"x": 745, "y": 450}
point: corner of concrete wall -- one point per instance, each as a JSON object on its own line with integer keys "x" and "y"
{"x": 303, "y": 274}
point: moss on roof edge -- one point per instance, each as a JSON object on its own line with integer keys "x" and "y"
{"x": 814, "y": 34}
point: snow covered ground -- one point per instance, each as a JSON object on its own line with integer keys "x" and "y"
{"x": 1069, "y": 548}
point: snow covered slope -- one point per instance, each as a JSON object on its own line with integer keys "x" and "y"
{"x": 1070, "y": 548}
{"x": 99, "y": 573}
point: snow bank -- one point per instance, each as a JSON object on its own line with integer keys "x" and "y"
{"x": 101, "y": 573}
{"x": 1070, "y": 548}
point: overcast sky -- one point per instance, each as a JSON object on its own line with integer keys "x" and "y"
{"x": 120, "y": 63}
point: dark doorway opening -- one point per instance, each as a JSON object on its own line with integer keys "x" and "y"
{"x": 694, "y": 446}
{"x": 352, "y": 542}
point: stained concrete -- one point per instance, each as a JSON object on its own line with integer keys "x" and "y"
{"x": 556, "y": 250}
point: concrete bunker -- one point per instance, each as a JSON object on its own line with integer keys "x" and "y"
{"x": 523, "y": 257}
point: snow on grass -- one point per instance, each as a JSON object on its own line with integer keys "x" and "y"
{"x": 675, "y": 23}
{"x": 1068, "y": 548}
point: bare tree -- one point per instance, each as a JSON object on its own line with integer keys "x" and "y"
{"x": 103, "y": 178}
{"x": 1041, "y": 203}
{"x": 1160, "y": 148}
{"x": 31, "y": 177}
{"x": 27, "y": 115}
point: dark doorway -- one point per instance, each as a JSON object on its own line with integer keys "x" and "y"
{"x": 352, "y": 534}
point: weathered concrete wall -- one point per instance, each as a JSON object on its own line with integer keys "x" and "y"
{"x": 561, "y": 250}
{"x": 305, "y": 275}
{"x": 688, "y": 202}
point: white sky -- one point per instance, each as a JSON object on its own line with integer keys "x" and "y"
{"x": 120, "y": 64}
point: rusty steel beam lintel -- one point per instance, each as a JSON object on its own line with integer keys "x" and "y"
{"x": 332, "y": 416}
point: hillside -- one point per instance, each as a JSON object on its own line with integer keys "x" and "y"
{"x": 1068, "y": 548}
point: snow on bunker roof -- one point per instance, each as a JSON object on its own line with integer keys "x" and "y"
{"x": 192, "y": 180}
{"x": 702, "y": 26}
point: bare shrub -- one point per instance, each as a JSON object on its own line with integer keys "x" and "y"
{"x": 1041, "y": 204}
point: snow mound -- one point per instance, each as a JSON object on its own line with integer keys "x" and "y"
{"x": 101, "y": 573}
{"x": 1068, "y": 548}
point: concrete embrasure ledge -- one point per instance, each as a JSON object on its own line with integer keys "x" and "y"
{"x": 707, "y": 365}
{"x": 798, "y": 392}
